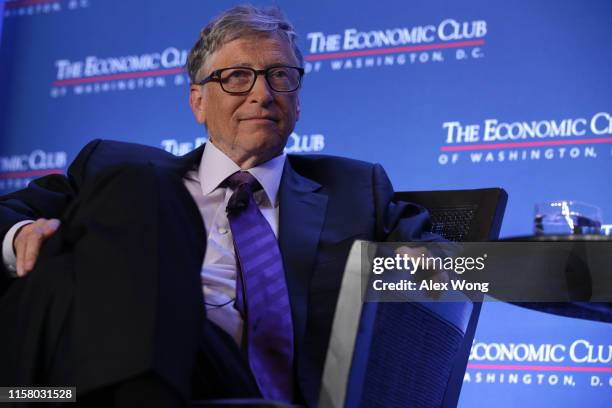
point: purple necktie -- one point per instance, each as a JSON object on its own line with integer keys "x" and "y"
{"x": 262, "y": 289}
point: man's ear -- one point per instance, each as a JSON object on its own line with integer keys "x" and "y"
{"x": 196, "y": 101}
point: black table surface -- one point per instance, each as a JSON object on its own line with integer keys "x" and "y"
{"x": 596, "y": 311}
{"x": 558, "y": 238}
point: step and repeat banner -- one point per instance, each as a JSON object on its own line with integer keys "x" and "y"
{"x": 445, "y": 94}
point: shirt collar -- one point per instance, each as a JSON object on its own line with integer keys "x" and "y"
{"x": 215, "y": 167}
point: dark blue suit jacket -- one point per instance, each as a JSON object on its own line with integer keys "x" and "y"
{"x": 326, "y": 203}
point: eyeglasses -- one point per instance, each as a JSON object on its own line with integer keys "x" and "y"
{"x": 240, "y": 80}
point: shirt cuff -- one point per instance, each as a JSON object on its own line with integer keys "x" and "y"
{"x": 8, "y": 253}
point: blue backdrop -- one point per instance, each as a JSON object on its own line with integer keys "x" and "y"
{"x": 444, "y": 94}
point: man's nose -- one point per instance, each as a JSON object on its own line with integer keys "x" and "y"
{"x": 261, "y": 92}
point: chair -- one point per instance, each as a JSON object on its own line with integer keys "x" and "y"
{"x": 409, "y": 354}
{"x": 462, "y": 215}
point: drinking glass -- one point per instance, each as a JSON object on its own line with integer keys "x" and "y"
{"x": 567, "y": 217}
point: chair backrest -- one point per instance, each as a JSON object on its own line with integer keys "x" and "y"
{"x": 468, "y": 216}
{"x": 409, "y": 354}
{"x": 462, "y": 215}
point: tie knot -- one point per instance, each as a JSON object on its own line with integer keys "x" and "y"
{"x": 244, "y": 184}
{"x": 242, "y": 179}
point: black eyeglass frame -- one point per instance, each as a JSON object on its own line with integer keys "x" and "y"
{"x": 215, "y": 76}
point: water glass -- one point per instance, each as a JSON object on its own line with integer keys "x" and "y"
{"x": 567, "y": 217}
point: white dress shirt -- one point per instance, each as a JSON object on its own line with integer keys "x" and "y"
{"x": 219, "y": 265}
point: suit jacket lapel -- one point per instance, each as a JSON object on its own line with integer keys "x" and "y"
{"x": 302, "y": 212}
{"x": 178, "y": 166}
{"x": 181, "y": 164}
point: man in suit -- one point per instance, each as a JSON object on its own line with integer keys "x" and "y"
{"x": 148, "y": 284}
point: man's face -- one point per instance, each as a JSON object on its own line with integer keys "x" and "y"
{"x": 250, "y": 128}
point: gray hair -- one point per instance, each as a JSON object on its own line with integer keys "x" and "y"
{"x": 237, "y": 22}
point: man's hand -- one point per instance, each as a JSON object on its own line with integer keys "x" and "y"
{"x": 28, "y": 241}
{"x": 435, "y": 276}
